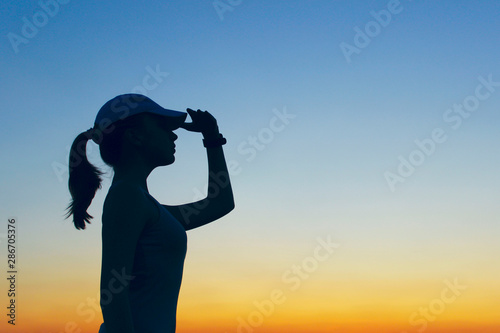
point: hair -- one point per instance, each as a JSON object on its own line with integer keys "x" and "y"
{"x": 84, "y": 178}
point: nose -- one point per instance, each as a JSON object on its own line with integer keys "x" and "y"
{"x": 173, "y": 136}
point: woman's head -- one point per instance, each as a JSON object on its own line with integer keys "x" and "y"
{"x": 146, "y": 136}
{"x": 128, "y": 125}
{"x": 130, "y": 114}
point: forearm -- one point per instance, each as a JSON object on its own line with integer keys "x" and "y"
{"x": 219, "y": 183}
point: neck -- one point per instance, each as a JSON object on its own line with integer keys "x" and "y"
{"x": 135, "y": 174}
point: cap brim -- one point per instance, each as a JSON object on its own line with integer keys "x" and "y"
{"x": 177, "y": 118}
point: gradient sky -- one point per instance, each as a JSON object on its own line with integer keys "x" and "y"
{"x": 321, "y": 173}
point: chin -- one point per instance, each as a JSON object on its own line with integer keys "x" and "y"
{"x": 169, "y": 161}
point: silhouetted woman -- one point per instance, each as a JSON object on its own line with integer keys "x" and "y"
{"x": 143, "y": 241}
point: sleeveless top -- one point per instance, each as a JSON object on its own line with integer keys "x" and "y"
{"x": 158, "y": 266}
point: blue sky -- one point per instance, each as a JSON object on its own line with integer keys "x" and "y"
{"x": 324, "y": 172}
{"x": 261, "y": 56}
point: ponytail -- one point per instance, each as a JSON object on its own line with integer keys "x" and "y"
{"x": 84, "y": 181}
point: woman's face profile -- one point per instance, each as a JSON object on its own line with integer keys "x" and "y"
{"x": 160, "y": 139}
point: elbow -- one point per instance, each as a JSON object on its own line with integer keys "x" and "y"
{"x": 221, "y": 207}
{"x": 230, "y": 207}
{"x": 227, "y": 207}
{"x": 230, "y": 203}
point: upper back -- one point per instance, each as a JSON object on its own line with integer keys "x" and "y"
{"x": 126, "y": 212}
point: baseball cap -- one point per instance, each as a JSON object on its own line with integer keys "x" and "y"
{"x": 127, "y": 105}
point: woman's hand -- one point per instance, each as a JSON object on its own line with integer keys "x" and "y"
{"x": 202, "y": 122}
